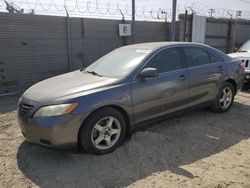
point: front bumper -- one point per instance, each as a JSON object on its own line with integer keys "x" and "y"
{"x": 57, "y": 131}
{"x": 247, "y": 77}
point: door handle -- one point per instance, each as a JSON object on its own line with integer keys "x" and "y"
{"x": 182, "y": 77}
{"x": 221, "y": 68}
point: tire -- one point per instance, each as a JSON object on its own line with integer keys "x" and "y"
{"x": 246, "y": 86}
{"x": 103, "y": 131}
{"x": 222, "y": 103}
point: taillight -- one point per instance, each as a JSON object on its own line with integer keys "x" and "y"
{"x": 242, "y": 65}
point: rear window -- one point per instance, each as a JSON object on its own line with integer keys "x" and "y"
{"x": 214, "y": 59}
{"x": 196, "y": 56}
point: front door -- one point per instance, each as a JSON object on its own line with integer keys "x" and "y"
{"x": 165, "y": 93}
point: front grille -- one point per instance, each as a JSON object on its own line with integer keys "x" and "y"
{"x": 23, "y": 108}
{"x": 247, "y": 63}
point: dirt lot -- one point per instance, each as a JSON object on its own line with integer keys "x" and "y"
{"x": 197, "y": 149}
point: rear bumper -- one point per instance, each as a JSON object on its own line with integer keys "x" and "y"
{"x": 58, "y": 131}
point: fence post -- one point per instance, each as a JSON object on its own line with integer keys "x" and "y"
{"x": 123, "y": 21}
{"x": 68, "y": 40}
{"x": 191, "y": 27}
{"x": 229, "y": 37}
{"x": 185, "y": 26}
{"x": 82, "y": 41}
{"x": 133, "y": 23}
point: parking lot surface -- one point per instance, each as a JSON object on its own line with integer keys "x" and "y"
{"x": 195, "y": 149}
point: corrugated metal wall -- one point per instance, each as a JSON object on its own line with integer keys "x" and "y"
{"x": 101, "y": 36}
{"x": 219, "y": 32}
{"x": 243, "y": 32}
{"x": 33, "y": 47}
{"x": 98, "y": 38}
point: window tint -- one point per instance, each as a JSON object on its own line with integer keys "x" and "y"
{"x": 166, "y": 60}
{"x": 196, "y": 56}
{"x": 214, "y": 59}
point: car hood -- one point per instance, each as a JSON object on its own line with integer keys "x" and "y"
{"x": 240, "y": 55}
{"x": 52, "y": 89}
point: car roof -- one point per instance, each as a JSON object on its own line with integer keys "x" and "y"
{"x": 157, "y": 45}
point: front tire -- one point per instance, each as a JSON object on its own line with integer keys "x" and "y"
{"x": 224, "y": 99}
{"x": 103, "y": 131}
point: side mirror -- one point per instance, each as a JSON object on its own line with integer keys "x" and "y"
{"x": 149, "y": 73}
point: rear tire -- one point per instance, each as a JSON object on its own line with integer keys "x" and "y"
{"x": 103, "y": 131}
{"x": 224, "y": 99}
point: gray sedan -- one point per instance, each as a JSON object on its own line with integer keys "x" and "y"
{"x": 94, "y": 108}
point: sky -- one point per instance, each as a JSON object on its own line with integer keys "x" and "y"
{"x": 144, "y": 7}
{"x": 228, "y": 4}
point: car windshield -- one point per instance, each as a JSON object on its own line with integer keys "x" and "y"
{"x": 245, "y": 47}
{"x": 118, "y": 63}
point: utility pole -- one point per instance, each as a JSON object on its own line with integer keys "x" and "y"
{"x": 173, "y": 20}
{"x": 133, "y": 22}
{"x": 211, "y": 12}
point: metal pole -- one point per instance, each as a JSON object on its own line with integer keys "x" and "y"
{"x": 69, "y": 40}
{"x": 173, "y": 20}
{"x": 133, "y": 22}
{"x": 123, "y": 21}
{"x": 185, "y": 25}
{"x": 234, "y": 34}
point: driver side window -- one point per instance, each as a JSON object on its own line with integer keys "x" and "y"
{"x": 166, "y": 60}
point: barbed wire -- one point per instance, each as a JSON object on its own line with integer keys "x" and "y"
{"x": 155, "y": 12}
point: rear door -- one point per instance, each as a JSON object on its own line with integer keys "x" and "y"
{"x": 165, "y": 93}
{"x": 206, "y": 72}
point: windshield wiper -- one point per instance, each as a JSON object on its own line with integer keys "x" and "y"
{"x": 242, "y": 51}
{"x": 94, "y": 73}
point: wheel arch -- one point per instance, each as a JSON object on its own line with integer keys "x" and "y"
{"x": 116, "y": 107}
{"x": 234, "y": 84}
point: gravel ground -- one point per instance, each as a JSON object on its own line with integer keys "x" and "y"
{"x": 196, "y": 149}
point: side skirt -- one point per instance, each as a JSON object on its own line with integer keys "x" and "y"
{"x": 146, "y": 124}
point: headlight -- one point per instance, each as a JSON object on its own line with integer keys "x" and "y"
{"x": 19, "y": 101}
{"x": 55, "y": 110}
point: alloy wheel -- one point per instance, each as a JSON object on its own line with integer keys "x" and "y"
{"x": 226, "y": 98}
{"x": 106, "y": 133}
